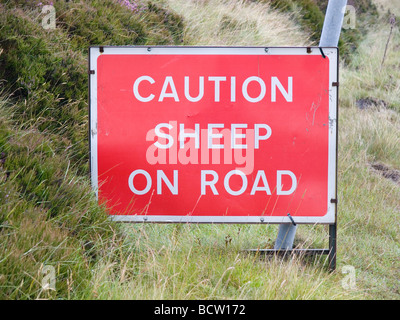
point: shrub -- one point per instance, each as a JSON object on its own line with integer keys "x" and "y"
{"x": 48, "y": 212}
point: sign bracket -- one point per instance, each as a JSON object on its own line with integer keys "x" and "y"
{"x": 330, "y": 251}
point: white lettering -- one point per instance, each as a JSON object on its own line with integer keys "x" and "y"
{"x": 131, "y": 185}
{"x": 170, "y": 91}
{"x": 169, "y": 81}
{"x": 163, "y": 135}
{"x": 288, "y": 95}
{"x": 217, "y": 81}
{"x": 227, "y": 186}
{"x": 136, "y": 89}
{"x": 262, "y": 92}
{"x": 265, "y": 187}
{"x": 279, "y": 185}
{"x": 257, "y": 136}
{"x": 201, "y": 90}
{"x": 183, "y": 135}
{"x": 212, "y": 135}
{"x": 233, "y": 89}
{"x": 162, "y": 177}
{"x": 211, "y": 184}
{"x": 235, "y": 135}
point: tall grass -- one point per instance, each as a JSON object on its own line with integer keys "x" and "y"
{"x": 199, "y": 262}
{"x": 238, "y": 23}
{"x": 369, "y": 204}
{"x": 386, "y": 5}
{"x": 49, "y": 216}
{"x": 365, "y": 77}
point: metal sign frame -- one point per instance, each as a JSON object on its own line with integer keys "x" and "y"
{"x": 327, "y": 52}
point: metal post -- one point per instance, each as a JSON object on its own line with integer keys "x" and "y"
{"x": 332, "y": 246}
{"x": 329, "y": 38}
{"x": 333, "y": 23}
{"x": 285, "y": 238}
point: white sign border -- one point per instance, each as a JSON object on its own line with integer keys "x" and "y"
{"x": 330, "y": 53}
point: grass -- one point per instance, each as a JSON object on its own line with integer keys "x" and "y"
{"x": 369, "y": 207}
{"x": 207, "y": 262}
{"x": 368, "y": 201}
{"x": 385, "y": 6}
{"x": 239, "y": 23}
{"x": 49, "y": 216}
{"x": 48, "y": 213}
{"x": 366, "y": 76}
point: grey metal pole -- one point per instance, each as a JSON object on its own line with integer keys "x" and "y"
{"x": 285, "y": 238}
{"x": 333, "y": 23}
{"x": 329, "y": 38}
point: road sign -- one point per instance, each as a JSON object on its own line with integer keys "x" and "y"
{"x": 214, "y": 134}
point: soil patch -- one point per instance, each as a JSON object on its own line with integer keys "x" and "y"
{"x": 387, "y": 172}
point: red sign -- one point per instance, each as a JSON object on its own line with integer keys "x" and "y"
{"x": 214, "y": 134}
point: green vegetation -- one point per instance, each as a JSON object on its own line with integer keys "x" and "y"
{"x": 208, "y": 262}
{"x": 46, "y": 69}
{"x": 235, "y": 23}
{"x": 49, "y": 216}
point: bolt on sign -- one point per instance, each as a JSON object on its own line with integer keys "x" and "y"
{"x": 214, "y": 134}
